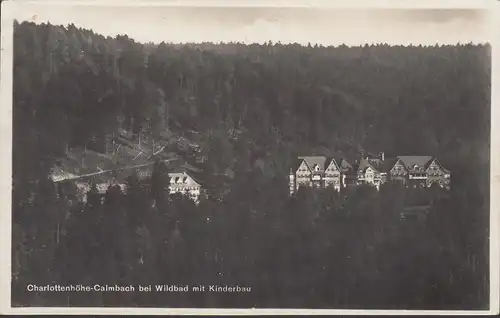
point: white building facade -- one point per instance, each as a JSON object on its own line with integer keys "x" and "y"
{"x": 181, "y": 182}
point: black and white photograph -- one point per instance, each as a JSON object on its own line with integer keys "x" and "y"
{"x": 256, "y": 157}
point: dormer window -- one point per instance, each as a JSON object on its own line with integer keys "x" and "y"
{"x": 316, "y": 168}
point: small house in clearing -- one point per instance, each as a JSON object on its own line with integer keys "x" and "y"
{"x": 182, "y": 182}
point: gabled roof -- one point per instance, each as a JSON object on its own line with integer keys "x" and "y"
{"x": 367, "y": 163}
{"x": 296, "y": 164}
{"x": 198, "y": 177}
{"x": 439, "y": 164}
{"x": 180, "y": 177}
{"x": 323, "y": 162}
{"x": 329, "y": 161}
{"x": 311, "y": 161}
{"x": 344, "y": 165}
{"x": 389, "y": 164}
{"x": 376, "y": 163}
{"x": 411, "y": 161}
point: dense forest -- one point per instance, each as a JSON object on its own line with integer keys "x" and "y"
{"x": 254, "y": 107}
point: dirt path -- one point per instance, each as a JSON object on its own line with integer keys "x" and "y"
{"x": 111, "y": 170}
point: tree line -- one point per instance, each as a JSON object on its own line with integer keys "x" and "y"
{"x": 359, "y": 248}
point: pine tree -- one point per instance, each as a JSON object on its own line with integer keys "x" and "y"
{"x": 159, "y": 181}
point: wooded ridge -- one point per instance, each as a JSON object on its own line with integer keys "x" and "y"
{"x": 249, "y": 111}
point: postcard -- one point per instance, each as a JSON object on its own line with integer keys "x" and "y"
{"x": 249, "y": 157}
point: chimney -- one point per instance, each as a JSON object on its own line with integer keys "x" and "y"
{"x": 382, "y": 156}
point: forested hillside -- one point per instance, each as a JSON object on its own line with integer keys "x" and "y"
{"x": 252, "y": 109}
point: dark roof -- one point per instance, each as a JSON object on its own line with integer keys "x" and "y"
{"x": 411, "y": 161}
{"x": 360, "y": 165}
{"x": 363, "y": 164}
{"x": 389, "y": 164}
{"x": 377, "y": 164}
{"x": 329, "y": 161}
{"x": 312, "y": 161}
{"x": 439, "y": 163}
{"x": 323, "y": 162}
{"x": 197, "y": 177}
{"x": 296, "y": 164}
{"x": 344, "y": 165}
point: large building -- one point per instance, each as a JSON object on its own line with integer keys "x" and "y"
{"x": 337, "y": 173}
{"x": 420, "y": 171}
{"x": 317, "y": 171}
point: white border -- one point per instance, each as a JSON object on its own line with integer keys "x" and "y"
{"x": 495, "y": 162}
{"x": 358, "y": 4}
{"x": 9, "y": 7}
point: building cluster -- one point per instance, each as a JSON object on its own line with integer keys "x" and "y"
{"x": 179, "y": 182}
{"x": 307, "y": 171}
{"x": 324, "y": 172}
